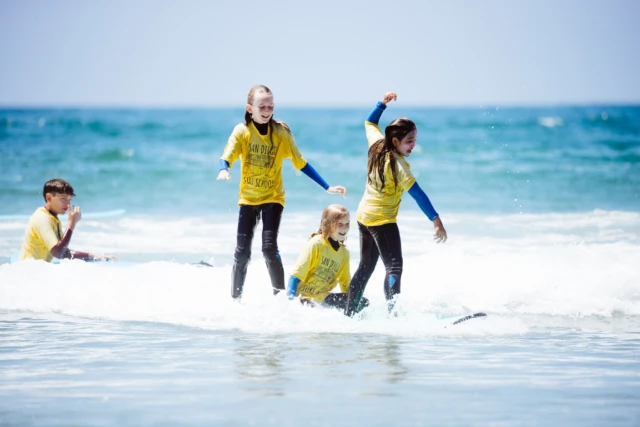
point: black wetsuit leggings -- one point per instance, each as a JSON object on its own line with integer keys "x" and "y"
{"x": 247, "y": 220}
{"x": 338, "y": 300}
{"x": 376, "y": 241}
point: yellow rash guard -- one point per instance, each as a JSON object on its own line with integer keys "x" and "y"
{"x": 261, "y": 158}
{"x": 378, "y": 207}
{"x": 43, "y": 233}
{"x": 320, "y": 268}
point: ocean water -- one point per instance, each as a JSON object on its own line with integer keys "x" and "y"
{"x": 542, "y": 208}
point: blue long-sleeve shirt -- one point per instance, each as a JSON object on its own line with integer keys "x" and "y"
{"x": 415, "y": 191}
{"x": 376, "y": 113}
{"x": 423, "y": 201}
{"x": 307, "y": 170}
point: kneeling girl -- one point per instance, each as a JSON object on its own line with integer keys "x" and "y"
{"x": 324, "y": 263}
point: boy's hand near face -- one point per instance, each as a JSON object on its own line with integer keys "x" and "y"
{"x": 74, "y": 216}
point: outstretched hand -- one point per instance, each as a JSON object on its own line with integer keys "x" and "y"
{"x": 440, "y": 235}
{"x": 337, "y": 190}
{"x": 224, "y": 174}
{"x": 102, "y": 257}
{"x": 388, "y": 97}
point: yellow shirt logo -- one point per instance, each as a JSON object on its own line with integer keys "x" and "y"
{"x": 321, "y": 268}
{"x": 261, "y": 158}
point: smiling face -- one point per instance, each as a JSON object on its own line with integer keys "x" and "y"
{"x": 406, "y": 145}
{"x": 340, "y": 229}
{"x": 261, "y": 109}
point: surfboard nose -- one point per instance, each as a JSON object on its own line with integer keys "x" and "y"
{"x": 471, "y": 316}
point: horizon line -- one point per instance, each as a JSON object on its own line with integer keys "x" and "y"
{"x": 106, "y": 106}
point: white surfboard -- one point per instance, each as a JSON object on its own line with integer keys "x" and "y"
{"x": 15, "y": 257}
{"x": 456, "y": 320}
{"x": 88, "y": 215}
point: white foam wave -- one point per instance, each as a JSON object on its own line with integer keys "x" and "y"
{"x": 566, "y": 265}
{"x": 195, "y": 296}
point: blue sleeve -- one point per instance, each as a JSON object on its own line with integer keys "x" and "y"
{"x": 423, "y": 201}
{"x": 311, "y": 173}
{"x": 376, "y": 113}
{"x": 292, "y": 287}
{"x": 223, "y": 164}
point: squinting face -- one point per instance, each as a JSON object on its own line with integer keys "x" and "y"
{"x": 59, "y": 204}
{"x": 262, "y": 107}
{"x": 342, "y": 228}
{"x": 407, "y": 144}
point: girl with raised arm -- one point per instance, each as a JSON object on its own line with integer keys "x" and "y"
{"x": 389, "y": 176}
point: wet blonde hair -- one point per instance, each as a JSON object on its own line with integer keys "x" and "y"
{"x": 331, "y": 215}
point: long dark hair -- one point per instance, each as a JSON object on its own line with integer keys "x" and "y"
{"x": 399, "y": 128}
{"x": 274, "y": 124}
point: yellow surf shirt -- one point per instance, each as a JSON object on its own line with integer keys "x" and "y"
{"x": 43, "y": 233}
{"x": 378, "y": 207}
{"x": 320, "y": 268}
{"x": 261, "y": 158}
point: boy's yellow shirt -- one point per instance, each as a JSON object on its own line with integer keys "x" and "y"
{"x": 43, "y": 233}
{"x": 378, "y": 207}
{"x": 320, "y": 268}
{"x": 261, "y": 159}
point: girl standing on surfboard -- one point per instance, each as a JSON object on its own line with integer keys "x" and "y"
{"x": 389, "y": 176}
{"x": 324, "y": 263}
{"x": 262, "y": 143}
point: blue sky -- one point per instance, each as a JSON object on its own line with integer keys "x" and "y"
{"x": 324, "y": 53}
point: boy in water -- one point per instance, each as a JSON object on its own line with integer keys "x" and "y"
{"x": 44, "y": 239}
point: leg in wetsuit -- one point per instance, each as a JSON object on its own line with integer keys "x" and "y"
{"x": 376, "y": 241}
{"x": 339, "y": 300}
{"x": 247, "y": 221}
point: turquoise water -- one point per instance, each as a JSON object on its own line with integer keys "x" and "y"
{"x": 542, "y": 207}
{"x": 485, "y": 160}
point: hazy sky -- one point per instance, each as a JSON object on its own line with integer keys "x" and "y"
{"x": 319, "y": 53}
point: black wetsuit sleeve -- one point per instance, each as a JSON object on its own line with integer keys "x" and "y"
{"x": 61, "y": 250}
{"x": 86, "y": 256}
